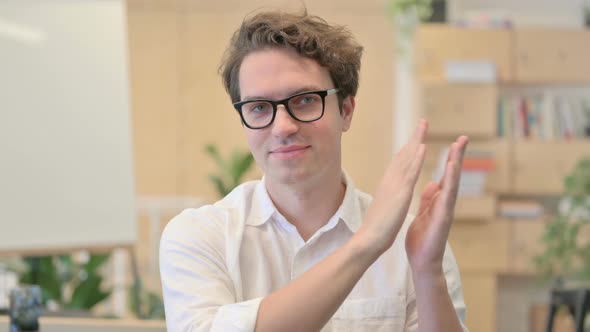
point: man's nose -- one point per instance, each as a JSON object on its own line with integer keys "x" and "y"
{"x": 284, "y": 124}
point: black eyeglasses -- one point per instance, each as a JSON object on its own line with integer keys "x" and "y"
{"x": 305, "y": 107}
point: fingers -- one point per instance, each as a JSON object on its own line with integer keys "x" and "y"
{"x": 417, "y": 161}
{"x": 451, "y": 179}
{"x": 417, "y": 150}
{"x": 417, "y": 137}
{"x": 410, "y": 158}
{"x": 420, "y": 133}
{"x": 455, "y": 155}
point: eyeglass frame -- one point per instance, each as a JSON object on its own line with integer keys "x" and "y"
{"x": 285, "y": 102}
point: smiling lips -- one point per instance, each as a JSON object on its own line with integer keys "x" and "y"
{"x": 289, "y": 152}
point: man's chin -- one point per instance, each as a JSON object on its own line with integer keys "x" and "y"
{"x": 288, "y": 176}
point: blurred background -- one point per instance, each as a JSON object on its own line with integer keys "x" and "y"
{"x": 113, "y": 119}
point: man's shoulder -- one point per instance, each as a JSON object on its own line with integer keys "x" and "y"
{"x": 230, "y": 211}
{"x": 239, "y": 196}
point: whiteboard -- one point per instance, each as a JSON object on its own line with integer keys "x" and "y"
{"x": 66, "y": 176}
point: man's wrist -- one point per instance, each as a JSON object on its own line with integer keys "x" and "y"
{"x": 425, "y": 279}
{"x": 364, "y": 248}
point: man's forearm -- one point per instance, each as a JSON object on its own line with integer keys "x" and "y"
{"x": 307, "y": 303}
{"x": 435, "y": 308}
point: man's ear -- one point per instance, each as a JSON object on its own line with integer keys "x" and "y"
{"x": 348, "y": 105}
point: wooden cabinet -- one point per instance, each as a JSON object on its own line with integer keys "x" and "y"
{"x": 437, "y": 44}
{"x": 520, "y": 55}
{"x": 540, "y": 167}
{"x": 552, "y": 56}
{"x": 525, "y": 244}
{"x": 480, "y": 293}
{"x": 527, "y": 60}
{"x": 499, "y": 180}
{"x": 476, "y": 209}
{"x": 460, "y": 108}
{"x": 481, "y": 247}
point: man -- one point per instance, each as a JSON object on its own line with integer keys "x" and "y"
{"x": 303, "y": 250}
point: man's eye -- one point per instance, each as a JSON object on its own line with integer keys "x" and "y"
{"x": 258, "y": 107}
{"x": 307, "y": 99}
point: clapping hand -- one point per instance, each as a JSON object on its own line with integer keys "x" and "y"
{"x": 427, "y": 236}
{"x": 394, "y": 194}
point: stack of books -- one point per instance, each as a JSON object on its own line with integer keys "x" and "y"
{"x": 477, "y": 165}
{"x": 544, "y": 116}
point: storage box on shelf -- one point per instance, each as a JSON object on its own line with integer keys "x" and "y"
{"x": 551, "y": 56}
{"x": 539, "y": 167}
{"x": 437, "y": 44}
{"x": 451, "y": 106}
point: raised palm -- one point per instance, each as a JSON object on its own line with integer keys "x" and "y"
{"x": 427, "y": 236}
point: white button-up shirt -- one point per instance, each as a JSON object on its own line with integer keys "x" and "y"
{"x": 219, "y": 261}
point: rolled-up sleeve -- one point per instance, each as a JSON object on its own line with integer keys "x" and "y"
{"x": 237, "y": 317}
{"x": 199, "y": 293}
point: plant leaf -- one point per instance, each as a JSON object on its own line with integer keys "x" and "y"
{"x": 245, "y": 165}
{"x": 219, "y": 185}
{"x": 96, "y": 261}
{"x": 214, "y": 153}
{"x": 88, "y": 293}
{"x": 240, "y": 164}
{"x": 49, "y": 279}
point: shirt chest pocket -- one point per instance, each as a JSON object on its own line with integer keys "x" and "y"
{"x": 374, "y": 315}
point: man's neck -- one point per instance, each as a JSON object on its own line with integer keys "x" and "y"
{"x": 308, "y": 208}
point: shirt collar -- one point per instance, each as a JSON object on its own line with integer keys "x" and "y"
{"x": 350, "y": 209}
{"x": 262, "y": 208}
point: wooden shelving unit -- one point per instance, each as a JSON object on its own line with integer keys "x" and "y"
{"x": 487, "y": 246}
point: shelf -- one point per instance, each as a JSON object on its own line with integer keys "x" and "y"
{"x": 551, "y": 55}
{"x": 528, "y": 61}
{"x": 475, "y": 209}
{"x": 468, "y": 109}
{"x": 498, "y": 180}
{"x": 540, "y": 167}
{"x": 481, "y": 247}
{"x": 437, "y": 43}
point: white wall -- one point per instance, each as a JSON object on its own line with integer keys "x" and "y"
{"x": 65, "y": 143}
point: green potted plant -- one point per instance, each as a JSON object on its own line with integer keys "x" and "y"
{"x": 68, "y": 285}
{"x": 566, "y": 255}
{"x": 143, "y": 302}
{"x": 421, "y": 9}
{"x": 407, "y": 14}
{"x": 565, "y": 260}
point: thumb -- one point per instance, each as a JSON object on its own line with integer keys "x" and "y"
{"x": 427, "y": 196}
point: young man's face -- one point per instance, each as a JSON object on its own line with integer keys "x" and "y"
{"x": 289, "y": 151}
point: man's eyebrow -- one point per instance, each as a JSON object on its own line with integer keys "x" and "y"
{"x": 291, "y": 93}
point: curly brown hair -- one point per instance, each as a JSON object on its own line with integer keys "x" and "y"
{"x": 332, "y": 46}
